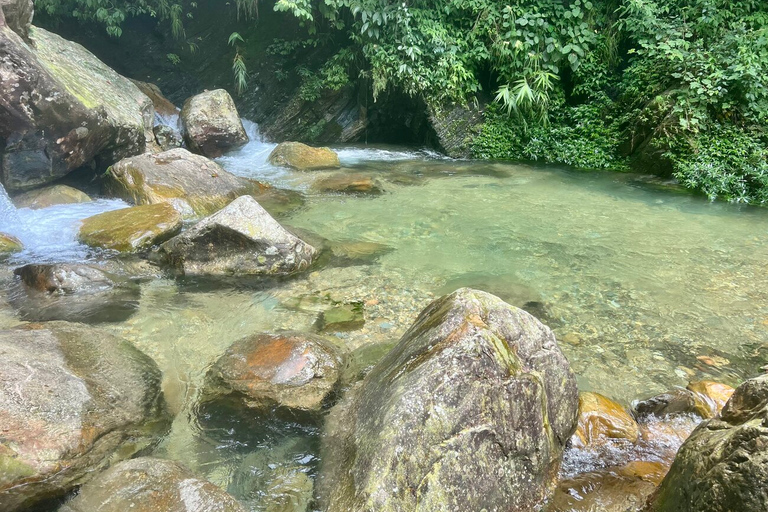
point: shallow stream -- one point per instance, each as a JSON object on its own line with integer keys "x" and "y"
{"x": 646, "y": 286}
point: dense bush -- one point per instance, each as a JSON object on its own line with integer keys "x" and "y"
{"x": 573, "y": 80}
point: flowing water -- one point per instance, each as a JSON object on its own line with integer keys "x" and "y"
{"x": 646, "y": 287}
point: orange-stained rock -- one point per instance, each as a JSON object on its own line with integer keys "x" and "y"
{"x": 289, "y": 369}
{"x": 713, "y": 394}
{"x": 601, "y": 418}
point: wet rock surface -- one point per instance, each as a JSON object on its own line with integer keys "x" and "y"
{"x": 289, "y": 369}
{"x": 703, "y": 398}
{"x": 73, "y": 292}
{"x": 62, "y": 109}
{"x": 723, "y": 465}
{"x": 470, "y": 411}
{"x": 50, "y": 196}
{"x": 240, "y": 239}
{"x": 9, "y": 244}
{"x": 149, "y": 484}
{"x": 178, "y": 177}
{"x": 349, "y": 183}
{"x": 210, "y": 123}
{"x": 303, "y": 158}
{"x": 601, "y": 418}
{"x": 72, "y": 399}
{"x": 131, "y": 229}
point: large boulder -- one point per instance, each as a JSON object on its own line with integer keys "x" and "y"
{"x": 148, "y": 484}
{"x": 290, "y": 369}
{"x": 470, "y": 411}
{"x": 18, "y": 15}
{"x": 723, "y": 465}
{"x": 303, "y": 158}
{"x": 50, "y": 196}
{"x": 179, "y": 177}
{"x": 61, "y": 108}
{"x": 70, "y": 291}
{"x": 241, "y": 239}
{"x": 131, "y": 229}
{"x": 72, "y": 400}
{"x": 210, "y": 123}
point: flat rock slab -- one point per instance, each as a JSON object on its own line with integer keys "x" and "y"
{"x": 349, "y": 183}
{"x": 303, "y": 158}
{"x": 292, "y": 370}
{"x": 241, "y": 239}
{"x": 471, "y": 410}
{"x": 72, "y": 399}
{"x": 211, "y": 125}
{"x": 178, "y": 176}
{"x": 131, "y": 229}
{"x": 149, "y": 484}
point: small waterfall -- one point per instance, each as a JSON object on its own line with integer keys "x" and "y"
{"x": 9, "y": 217}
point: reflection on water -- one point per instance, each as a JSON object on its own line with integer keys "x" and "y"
{"x": 646, "y": 289}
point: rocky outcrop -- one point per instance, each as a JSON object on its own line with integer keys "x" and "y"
{"x": 72, "y": 399}
{"x": 470, "y": 411}
{"x": 18, "y": 15}
{"x": 455, "y": 128}
{"x": 292, "y": 370}
{"x": 303, "y": 158}
{"x": 163, "y": 106}
{"x": 50, "y": 196}
{"x": 62, "y": 108}
{"x": 723, "y": 465}
{"x": 148, "y": 484}
{"x": 131, "y": 229}
{"x": 349, "y": 183}
{"x": 211, "y": 125}
{"x": 193, "y": 183}
{"x": 241, "y": 239}
{"x": 9, "y": 244}
{"x": 74, "y": 292}
{"x": 600, "y": 418}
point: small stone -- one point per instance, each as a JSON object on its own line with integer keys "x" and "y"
{"x": 600, "y": 418}
{"x": 346, "y": 317}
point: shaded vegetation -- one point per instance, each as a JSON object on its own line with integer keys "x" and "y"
{"x": 589, "y": 83}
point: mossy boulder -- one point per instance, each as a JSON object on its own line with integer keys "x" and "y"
{"x": 50, "y": 196}
{"x": 9, "y": 244}
{"x": 303, "y": 158}
{"x": 600, "y": 419}
{"x": 197, "y": 184}
{"x": 62, "y": 108}
{"x": 470, "y": 411}
{"x": 723, "y": 465}
{"x": 349, "y": 183}
{"x": 74, "y": 292}
{"x": 289, "y": 369}
{"x": 131, "y": 229}
{"x": 240, "y": 239}
{"x": 149, "y": 484}
{"x": 210, "y": 123}
{"x": 72, "y": 400}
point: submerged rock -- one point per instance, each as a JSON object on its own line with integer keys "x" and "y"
{"x": 131, "y": 229}
{"x": 179, "y": 177}
{"x": 62, "y": 108}
{"x": 470, "y": 411}
{"x": 148, "y": 484}
{"x": 342, "y": 317}
{"x": 289, "y": 369}
{"x": 601, "y": 418}
{"x": 303, "y": 158}
{"x": 723, "y": 465}
{"x": 73, "y": 399}
{"x": 74, "y": 292}
{"x": 349, "y": 184}
{"x": 241, "y": 239}
{"x": 50, "y": 196}
{"x": 9, "y": 244}
{"x": 211, "y": 125}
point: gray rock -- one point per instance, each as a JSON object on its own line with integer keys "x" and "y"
{"x": 456, "y": 126}
{"x": 241, "y": 239}
{"x": 470, "y": 411}
{"x": 73, "y": 399}
{"x": 18, "y": 15}
{"x": 166, "y": 137}
{"x": 210, "y": 123}
{"x": 62, "y": 108}
{"x": 723, "y": 465}
{"x": 148, "y": 484}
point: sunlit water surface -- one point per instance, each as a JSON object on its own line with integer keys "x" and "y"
{"x": 646, "y": 288}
